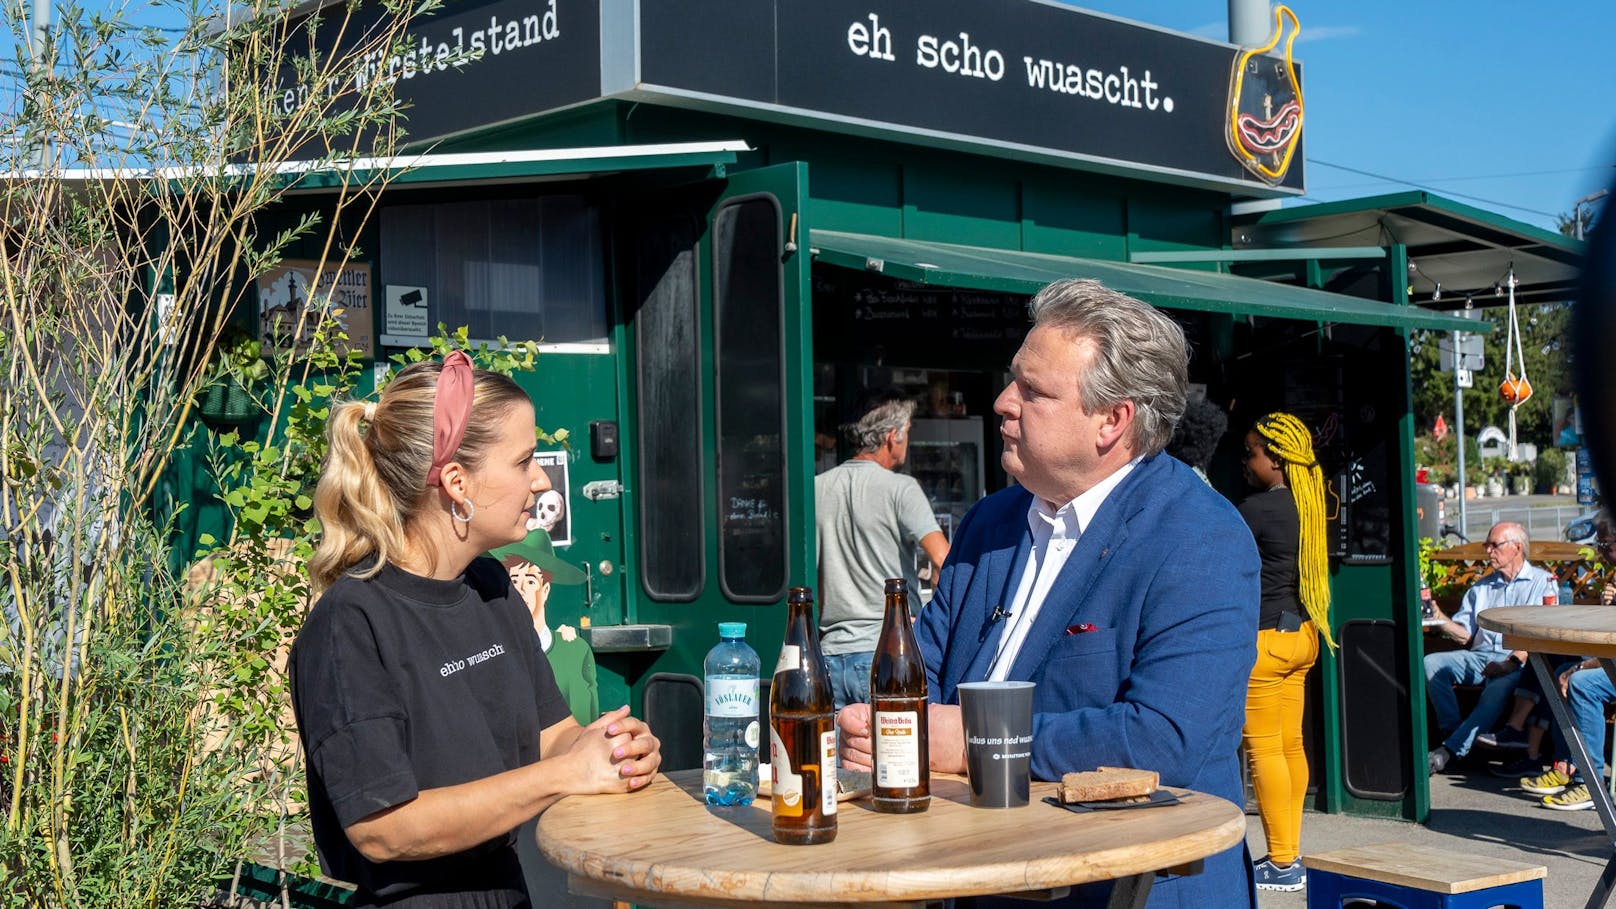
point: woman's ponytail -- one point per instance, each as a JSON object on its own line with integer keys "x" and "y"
{"x": 358, "y": 516}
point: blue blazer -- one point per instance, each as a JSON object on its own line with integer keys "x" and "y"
{"x": 1167, "y": 573}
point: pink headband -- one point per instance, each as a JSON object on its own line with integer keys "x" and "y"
{"x": 450, "y": 412}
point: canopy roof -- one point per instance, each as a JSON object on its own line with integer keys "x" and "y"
{"x": 1468, "y": 250}
{"x": 980, "y": 268}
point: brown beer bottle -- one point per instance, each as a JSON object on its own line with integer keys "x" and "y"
{"x": 899, "y": 742}
{"x": 802, "y": 733}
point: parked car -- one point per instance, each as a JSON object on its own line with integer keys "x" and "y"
{"x": 1581, "y": 528}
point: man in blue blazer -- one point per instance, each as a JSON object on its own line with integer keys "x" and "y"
{"x": 1112, "y": 576}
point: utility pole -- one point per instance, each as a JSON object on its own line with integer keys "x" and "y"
{"x": 37, "y": 37}
{"x": 1459, "y": 429}
{"x": 1249, "y": 22}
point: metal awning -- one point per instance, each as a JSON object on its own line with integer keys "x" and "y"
{"x": 429, "y": 169}
{"x": 1013, "y": 271}
{"x": 1467, "y": 249}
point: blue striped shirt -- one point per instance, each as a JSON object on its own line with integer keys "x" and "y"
{"x": 1528, "y": 588}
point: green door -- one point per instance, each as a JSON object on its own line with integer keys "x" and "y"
{"x": 720, "y": 493}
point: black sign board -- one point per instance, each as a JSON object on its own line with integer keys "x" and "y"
{"x": 1020, "y": 74}
{"x": 473, "y": 64}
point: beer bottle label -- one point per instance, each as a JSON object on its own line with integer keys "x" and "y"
{"x": 785, "y": 780}
{"x": 790, "y": 659}
{"x": 827, "y": 772}
{"x": 897, "y": 749}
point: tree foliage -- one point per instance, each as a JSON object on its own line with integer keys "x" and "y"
{"x": 1547, "y": 349}
{"x": 143, "y": 747}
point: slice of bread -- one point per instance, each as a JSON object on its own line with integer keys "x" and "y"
{"x": 1107, "y": 783}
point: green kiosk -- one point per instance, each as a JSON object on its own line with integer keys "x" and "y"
{"x": 724, "y": 221}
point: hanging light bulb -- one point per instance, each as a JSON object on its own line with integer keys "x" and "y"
{"x": 1436, "y": 295}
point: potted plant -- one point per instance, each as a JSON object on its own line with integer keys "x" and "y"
{"x": 1520, "y": 477}
{"x": 226, "y": 397}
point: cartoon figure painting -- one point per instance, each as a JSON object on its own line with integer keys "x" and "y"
{"x": 534, "y": 567}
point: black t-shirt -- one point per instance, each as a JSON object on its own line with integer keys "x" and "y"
{"x": 1274, "y": 523}
{"x": 402, "y": 683}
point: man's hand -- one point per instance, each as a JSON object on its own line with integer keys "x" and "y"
{"x": 854, "y": 721}
{"x": 1498, "y": 668}
{"x": 946, "y": 731}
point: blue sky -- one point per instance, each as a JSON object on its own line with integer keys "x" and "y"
{"x": 1511, "y": 103}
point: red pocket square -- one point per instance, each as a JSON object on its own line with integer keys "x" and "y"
{"x": 1081, "y": 628}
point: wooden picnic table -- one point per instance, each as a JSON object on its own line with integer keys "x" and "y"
{"x": 664, "y": 847}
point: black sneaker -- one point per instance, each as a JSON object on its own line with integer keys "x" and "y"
{"x": 1507, "y": 737}
{"x": 1518, "y": 768}
{"x": 1438, "y": 759}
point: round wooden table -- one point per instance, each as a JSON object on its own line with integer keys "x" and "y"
{"x": 1584, "y": 630}
{"x": 665, "y": 847}
{"x": 1587, "y": 630}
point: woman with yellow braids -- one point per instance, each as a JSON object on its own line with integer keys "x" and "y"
{"x": 1287, "y": 518}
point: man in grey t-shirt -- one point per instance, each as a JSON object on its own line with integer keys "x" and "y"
{"x": 869, "y": 521}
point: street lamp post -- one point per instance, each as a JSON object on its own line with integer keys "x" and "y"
{"x": 1576, "y": 208}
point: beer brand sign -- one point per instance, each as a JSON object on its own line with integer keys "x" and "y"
{"x": 1265, "y": 105}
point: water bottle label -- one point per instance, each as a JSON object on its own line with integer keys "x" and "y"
{"x": 732, "y": 697}
{"x": 827, "y": 772}
{"x": 897, "y": 749}
{"x": 790, "y": 659}
{"x": 786, "y": 782}
{"x": 752, "y": 734}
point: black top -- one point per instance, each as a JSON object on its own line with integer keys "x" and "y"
{"x": 1273, "y": 521}
{"x": 402, "y": 683}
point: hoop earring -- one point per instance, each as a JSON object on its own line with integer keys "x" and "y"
{"x": 454, "y": 511}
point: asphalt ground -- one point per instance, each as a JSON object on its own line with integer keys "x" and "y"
{"x": 1472, "y": 813}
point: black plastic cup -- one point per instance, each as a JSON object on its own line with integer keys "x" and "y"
{"x": 998, "y": 742}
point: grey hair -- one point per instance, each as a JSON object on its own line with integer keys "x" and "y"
{"x": 870, "y": 430}
{"x": 1513, "y": 532}
{"x": 1140, "y": 355}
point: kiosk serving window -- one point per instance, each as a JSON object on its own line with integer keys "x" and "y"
{"x": 523, "y": 268}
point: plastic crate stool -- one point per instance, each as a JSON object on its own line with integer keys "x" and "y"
{"x": 1415, "y": 877}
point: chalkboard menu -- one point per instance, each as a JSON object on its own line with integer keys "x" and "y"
{"x": 866, "y": 317}
{"x": 1350, "y": 440}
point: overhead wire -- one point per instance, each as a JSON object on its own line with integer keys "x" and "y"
{"x": 1366, "y": 173}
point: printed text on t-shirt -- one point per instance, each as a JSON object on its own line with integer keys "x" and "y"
{"x": 454, "y": 666}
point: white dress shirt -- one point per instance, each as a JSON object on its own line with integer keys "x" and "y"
{"x": 1055, "y": 532}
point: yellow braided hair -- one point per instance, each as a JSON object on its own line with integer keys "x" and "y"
{"x": 1286, "y": 438}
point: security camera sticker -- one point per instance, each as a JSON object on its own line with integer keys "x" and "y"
{"x": 553, "y": 511}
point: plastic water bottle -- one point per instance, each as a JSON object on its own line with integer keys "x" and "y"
{"x": 1566, "y": 593}
{"x": 730, "y": 731}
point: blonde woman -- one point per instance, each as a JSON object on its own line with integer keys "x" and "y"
{"x": 1286, "y": 516}
{"x": 408, "y": 675}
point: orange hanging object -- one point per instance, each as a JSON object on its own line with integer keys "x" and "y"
{"x": 1515, "y": 391}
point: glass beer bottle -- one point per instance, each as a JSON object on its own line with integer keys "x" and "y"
{"x": 802, "y": 733}
{"x": 898, "y": 737}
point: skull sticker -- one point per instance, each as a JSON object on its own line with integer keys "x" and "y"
{"x": 550, "y": 511}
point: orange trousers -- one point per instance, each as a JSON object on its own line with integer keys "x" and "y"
{"x": 1273, "y": 735}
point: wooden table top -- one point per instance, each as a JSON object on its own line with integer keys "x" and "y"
{"x": 1584, "y": 630}
{"x": 666, "y": 846}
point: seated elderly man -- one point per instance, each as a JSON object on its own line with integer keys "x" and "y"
{"x": 1482, "y": 657}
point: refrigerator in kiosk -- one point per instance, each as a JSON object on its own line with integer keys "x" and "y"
{"x": 945, "y": 457}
